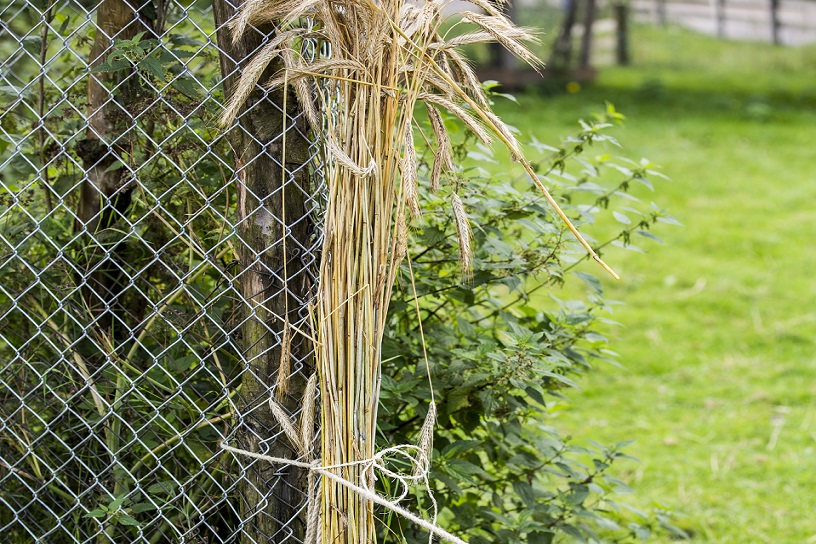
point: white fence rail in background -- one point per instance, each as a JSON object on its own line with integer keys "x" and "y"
{"x": 785, "y": 22}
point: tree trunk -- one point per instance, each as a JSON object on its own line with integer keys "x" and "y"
{"x": 105, "y": 192}
{"x": 660, "y": 12}
{"x": 586, "y": 38}
{"x": 500, "y": 58}
{"x": 274, "y": 282}
{"x": 562, "y": 49}
{"x": 621, "y": 12}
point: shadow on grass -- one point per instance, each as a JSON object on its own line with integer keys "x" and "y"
{"x": 654, "y": 98}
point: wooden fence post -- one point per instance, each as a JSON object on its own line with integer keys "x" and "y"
{"x": 586, "y": 39}
{"x": 719, "y": 17}
{"x": 621, "y": 12}
{"x": 660, "y": 12}
{"x": 775, "y": 23}
{"x": 272, "y": 497}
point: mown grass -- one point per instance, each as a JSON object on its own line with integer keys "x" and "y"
{"x": 718, "y": 342}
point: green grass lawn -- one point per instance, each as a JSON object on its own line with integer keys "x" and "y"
{"x": 719, "y": 325}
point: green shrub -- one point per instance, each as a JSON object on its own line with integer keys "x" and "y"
{"x": 501, "y": 471}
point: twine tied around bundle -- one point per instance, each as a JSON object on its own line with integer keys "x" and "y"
{"x": 416, "y": 455}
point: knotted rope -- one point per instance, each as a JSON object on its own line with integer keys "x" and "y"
{"x": 417, "y": 455}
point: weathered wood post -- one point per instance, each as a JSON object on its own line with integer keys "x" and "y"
{"x": 776, "y": 24}
{"x": 273, "y": 224}
{"x": 621, "y": 12}
{"x": 585, "y": 56}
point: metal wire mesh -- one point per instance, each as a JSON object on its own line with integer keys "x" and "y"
{"x": 145, "y": 257}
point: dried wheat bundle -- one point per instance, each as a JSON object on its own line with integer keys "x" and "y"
{"x": 385, "y": 56}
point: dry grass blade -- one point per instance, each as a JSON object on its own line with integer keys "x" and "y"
{"x": 507, "y": 34}
{"x": 342, "y": 157}
{"x": 463, "y": 72}
{"x": 285, "y": 366}
{"x": 490, "y": 6}
{"x": 443, "y": 157}
{"x": 435, "y": 84}
{"x": 321, "y": 68}
{"x": 408, "y": 169}
{"x": 307, "y": 415}
{"x": 401, "y": 244}
{"x": 464, "y": 39}
{"x": 425, "y": 442}
{"x": 252, "y": 72}
{"x": 463, "y": 233}
{"x": 289, "y": 430}
{"x": 508, "y": 138}
{"x": 470, "y": 122}
{"x": 277, "y": 12}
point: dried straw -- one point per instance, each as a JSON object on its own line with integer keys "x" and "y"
{"x": 386, "y": 55}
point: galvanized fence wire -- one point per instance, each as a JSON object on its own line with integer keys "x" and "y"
{"x": 141, "y": 281}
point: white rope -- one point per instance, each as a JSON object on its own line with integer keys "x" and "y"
{"x": 375, "y": 462}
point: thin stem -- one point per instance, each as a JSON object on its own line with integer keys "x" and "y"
{"x": 46, "y": 21}
{"x": 80, "y": 363}
{"x": 64, "y": 494}
{"x": 146, "y": 458}
{"x": 138, "y": 342}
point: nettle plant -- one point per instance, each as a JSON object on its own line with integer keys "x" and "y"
{"x": 173, "y": 186}
{"x": 501, "y": 351}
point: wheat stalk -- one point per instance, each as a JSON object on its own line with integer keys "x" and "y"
{"x": 386, "y": 55}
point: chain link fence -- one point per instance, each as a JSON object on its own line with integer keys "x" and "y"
{"x": 154, "y": 271}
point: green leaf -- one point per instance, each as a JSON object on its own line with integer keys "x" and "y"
{"x": 622, "y": 218}
{"x": 153, "y": 67}
{"x": 630, "y": 247}
{"x": 465, "y": 468}
{"x": 540, "y": 537}
{"x": 577, "y": 495}
{"x": 64, "y": 23}
{"x": 187, "y": 87}
{"x": 456, "y": 400}
{"x": 449, "y": 482}
{"x": 669, "y": 220}
{"x": 117, "y": 165}
{"x": 593, "y": 282}
{"x": 162, "y": 488}
{"x": 118, "y": 65}
{"x": 182, "y": 39}
{"x": 525, "y": 492}
{"x": 125, "y": 519}
{"x": 645, "y": 182}
{"x": 97, "y": 513}
{"x": 536, "y": 395}
{"x": 104, "y": 67}
{"x": 32, "y": 43}
{"x": 117, "y": 503}
{"x": 573, "y": 532}
{"x": 460, "y": 445}
{"x": 649, "y": 235}
{"x": 607, "y": 524}
{"x": 143, "y": 507}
